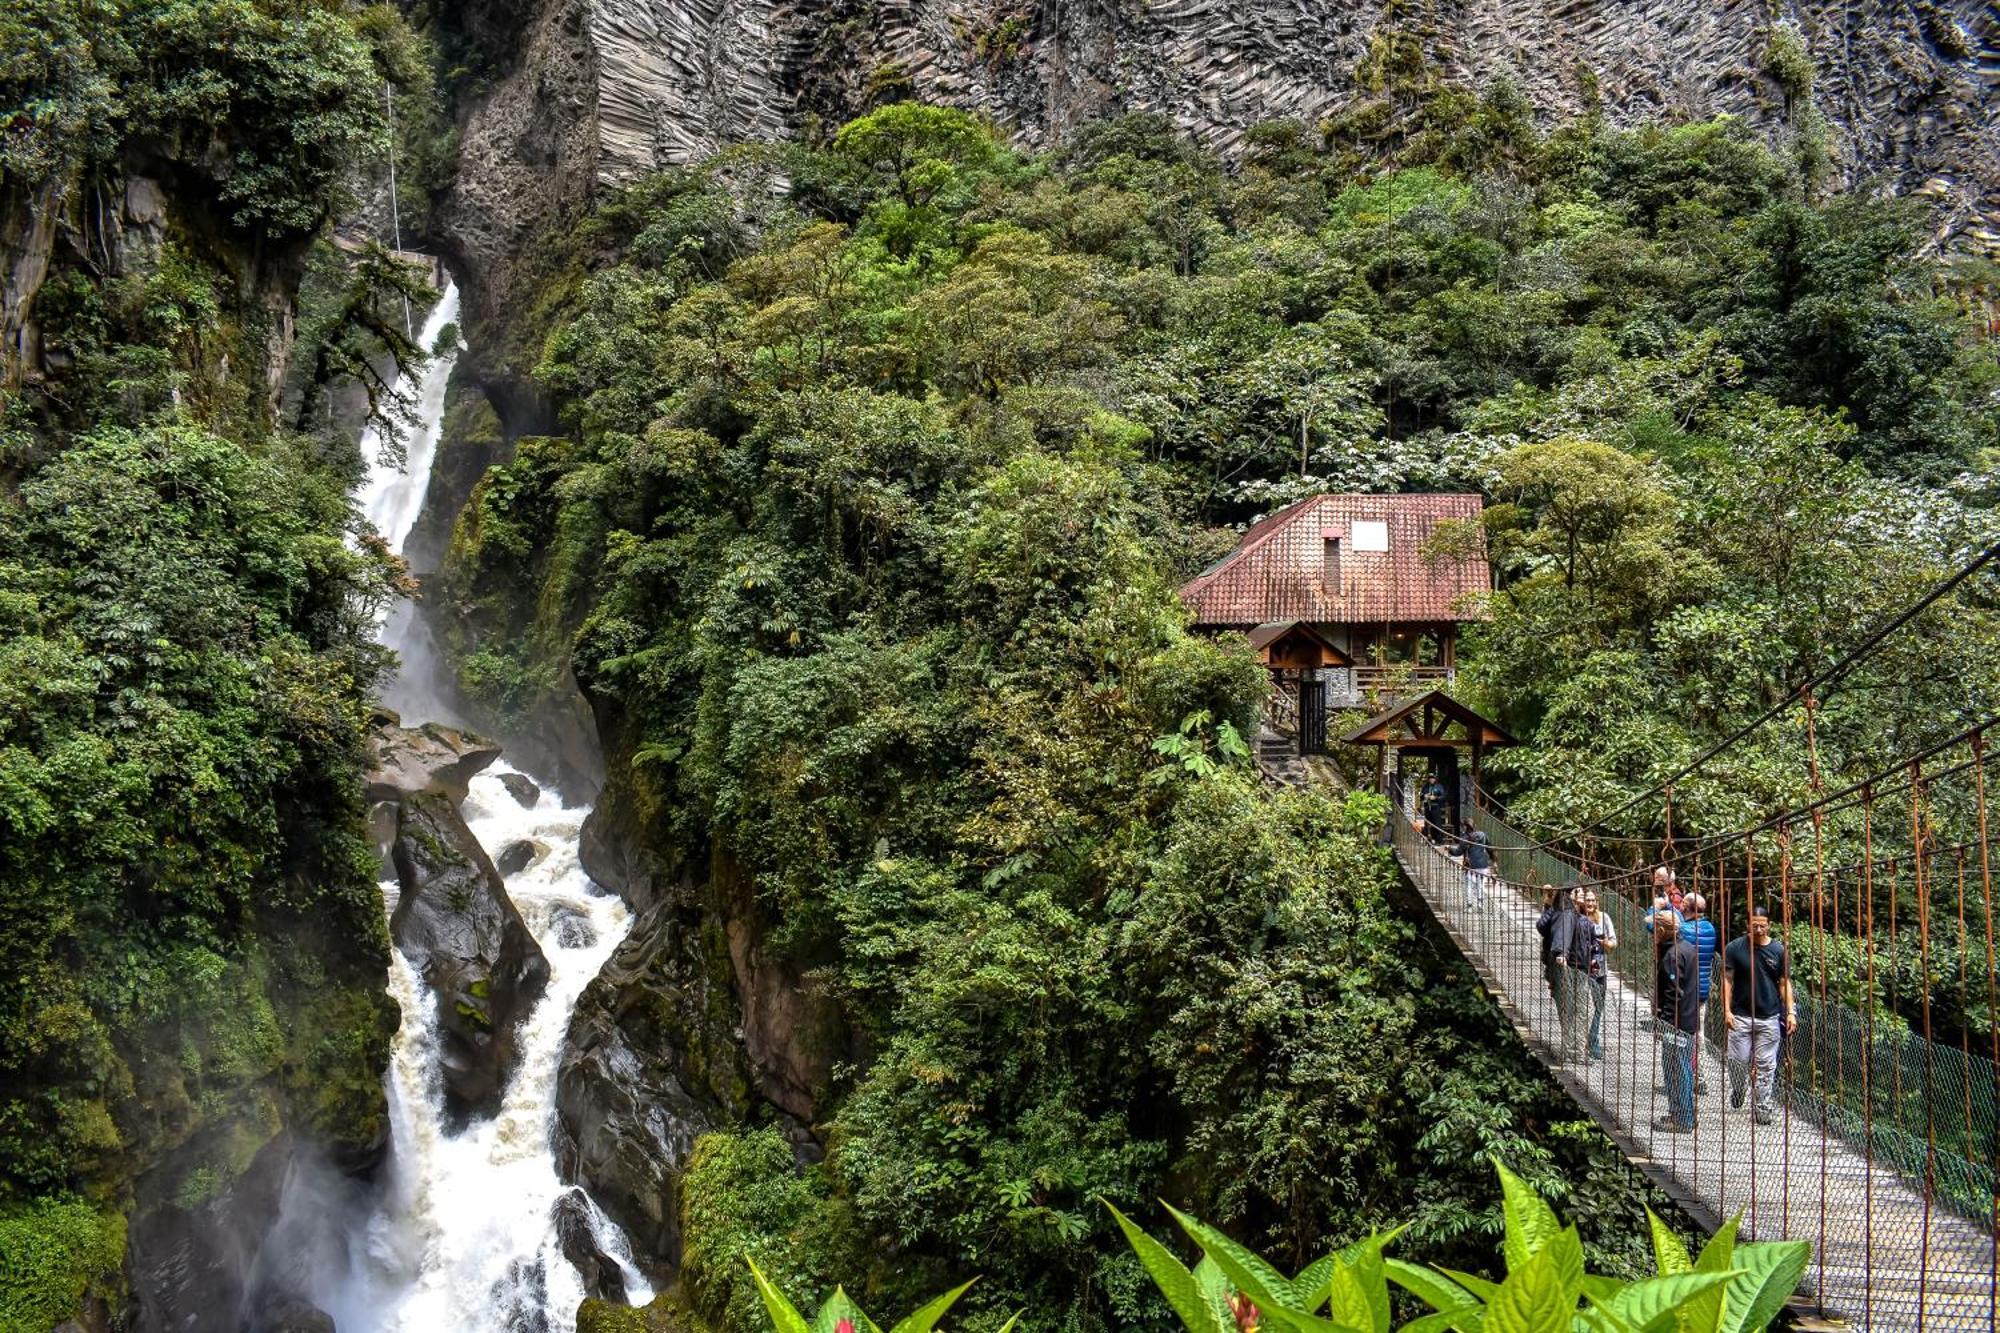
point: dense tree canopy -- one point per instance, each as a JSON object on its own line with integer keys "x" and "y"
{"x": 863, "y": 528}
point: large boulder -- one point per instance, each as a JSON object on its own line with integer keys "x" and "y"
{"x": 577, "y": 1236}
{"x": 651, "y": 1063}
{"x": 404, "y": 761}
{"x": 522, "y": 788}
{"x": 519, "y": 854}
{"x": 456, "y": 925}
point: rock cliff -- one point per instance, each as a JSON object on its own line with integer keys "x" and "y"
{"x": 596, "y": 91}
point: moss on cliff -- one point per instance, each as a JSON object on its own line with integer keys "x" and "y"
{"x": 53, "y": 1252}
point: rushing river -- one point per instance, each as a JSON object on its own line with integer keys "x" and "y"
{"x": 462, "y": 1238}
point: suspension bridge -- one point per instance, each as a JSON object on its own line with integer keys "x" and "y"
{"x": 1901, "y": 1223}
{"x": 1882, "y": 1147}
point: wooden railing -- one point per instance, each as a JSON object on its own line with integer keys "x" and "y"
{"x": 1371, "y": 682}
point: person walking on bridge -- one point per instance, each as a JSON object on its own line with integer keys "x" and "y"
{"x": 1478, "y": 867}
{"x": 1758, "y": 1010}
{"x": 1604, "y": 938}
{"x": 1699, "y": 931}
{"x": 1568, "y": 941}
{"x": 1677, "y": 1014}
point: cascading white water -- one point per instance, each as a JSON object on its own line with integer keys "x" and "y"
{"x": 393, "y": 496}
{"x": 464, "y": 1239}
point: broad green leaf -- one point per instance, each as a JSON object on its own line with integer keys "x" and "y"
{"x": 1216, "y": 1289}
{"x": 1598, "y": 1319}
{"x": 1602, "y": 1290}
{"x": 1703, "y": 1314}
{"x": 1715, "y": 1255}
{"x": 1669, "y": 1255}
{"x": 1532, "y": 1299}
{"x": 1314, "y": 1281}
{"x": 1566, "y": 1254}
{"x": 841, "y": 1306}
{"x": 924, "y": 1320}
{"x": 784, "y": 1316}
{"x": 1653, "y": 1305}
{"x": 1358, "y": 1289}
{"x": 1429, "y": 1286}
{"x": 1531, "y": 1224}
{"x": 1170, "y": 1275}
{"x": 1470, "y": 1319}
{"x": 1253, "y": 1276}
{"x": 1478, "y": 1286}
{"x": 1771, "y": 1271}
{"x": 1012, "y": 1320}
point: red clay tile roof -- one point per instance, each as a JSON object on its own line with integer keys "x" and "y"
{"x": 1277, "y": 570}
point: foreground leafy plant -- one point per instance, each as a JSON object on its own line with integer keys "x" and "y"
{"x": 1730, "y": 1288}
{"x": 839, "y": 1314}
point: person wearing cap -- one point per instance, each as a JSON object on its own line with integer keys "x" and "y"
{"x": 1758, "y": 1010}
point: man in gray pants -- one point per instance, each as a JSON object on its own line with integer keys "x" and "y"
{"x": 1758, "y": 1009}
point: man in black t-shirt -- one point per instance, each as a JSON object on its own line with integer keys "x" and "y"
{"x": 1758, "y": 1010}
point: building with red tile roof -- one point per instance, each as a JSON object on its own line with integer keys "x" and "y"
{"x": 1352, "y": 570}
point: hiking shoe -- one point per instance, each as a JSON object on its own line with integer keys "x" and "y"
{"x": 1666, "y": 1124}
{"x": 1763, "y": 1117}
{"x": 1736, "y": 1097}
{"x": 1701, "y": 1088}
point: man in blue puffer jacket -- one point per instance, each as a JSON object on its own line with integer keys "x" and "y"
{"x": 1699, "y": 931}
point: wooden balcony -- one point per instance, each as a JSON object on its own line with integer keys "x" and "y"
{"x": 1377, "y": 687}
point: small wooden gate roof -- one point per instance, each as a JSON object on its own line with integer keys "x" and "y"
{"x": 1289, "y": 638}
{"x": 1428, "y": 719}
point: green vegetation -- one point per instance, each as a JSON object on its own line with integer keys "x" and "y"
{"x": 862, "y": 534}
{"x": 51, "y": 1253}
{"x": 1731, "y": 1288}
{"x": 191, "y": 942}
{"x": 839, "y": 1314}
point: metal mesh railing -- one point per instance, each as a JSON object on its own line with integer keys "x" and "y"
{"x": 1877, "y": 1145}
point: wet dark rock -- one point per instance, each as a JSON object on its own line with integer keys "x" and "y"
{"x": 572, "y": 929}
{"x": 522, "y": 789}
{"x": 455, "y": 923}
{"x": 651, "y": 1063}
{"x": 404, "y": 761}
{"x": 519, "y": 854}
{"x": 577, "y": 1237}
{"x": 296, "y": 1317}
{"x": 191, "y": 1248}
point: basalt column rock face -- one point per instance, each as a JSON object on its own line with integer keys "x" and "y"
{"x": 603, "y": 90}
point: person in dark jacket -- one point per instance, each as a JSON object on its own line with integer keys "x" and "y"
{"x": 1568, "y": 943}
{"x": 1434, "y": 809}
{"x": 1677, "y": 1015}
{"x": 1478, "y": 868}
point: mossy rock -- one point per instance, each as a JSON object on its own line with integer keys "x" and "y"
{"x": 53, "y": 1254}
{"x": 666, "y": 1314}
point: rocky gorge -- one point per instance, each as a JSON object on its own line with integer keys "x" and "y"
{"x": 611, "y": 977}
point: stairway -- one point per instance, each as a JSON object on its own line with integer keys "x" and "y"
{"x": 1278, "y": 759}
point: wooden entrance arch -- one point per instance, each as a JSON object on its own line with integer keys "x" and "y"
{"x": 1432, "y": 726}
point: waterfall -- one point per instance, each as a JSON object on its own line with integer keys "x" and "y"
{"x": 392, "y": 497}
{"x": 463, "y": 1238}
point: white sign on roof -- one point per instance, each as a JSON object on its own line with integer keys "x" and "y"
{"x": 1370, "y": 534}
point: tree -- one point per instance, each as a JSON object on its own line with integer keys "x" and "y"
{"x": 924, "y": 154}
